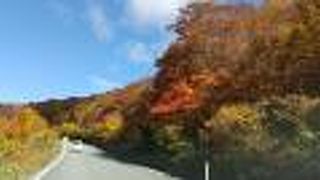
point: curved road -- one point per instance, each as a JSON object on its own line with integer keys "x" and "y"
{"x": 89, "y": 164}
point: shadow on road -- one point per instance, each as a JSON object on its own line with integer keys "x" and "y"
{"x": 189, "y": 170}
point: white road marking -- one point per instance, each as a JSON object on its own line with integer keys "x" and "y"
{"x": 53, "y": 164}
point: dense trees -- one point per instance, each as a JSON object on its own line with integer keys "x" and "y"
{"x": 250, "y": 74}
{"x": 245, "y": 76}
{"x": 26, "y": 142}
{"x": 211, "y": 42}
{"x": 290, "y": 62}
{"x": 239, "y": 52}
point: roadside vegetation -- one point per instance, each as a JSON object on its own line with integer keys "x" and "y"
{"x": 240, "y": 86}
{"x": 26, "y": 142}
{"x": 98, "y": 119}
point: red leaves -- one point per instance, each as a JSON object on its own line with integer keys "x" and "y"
{"x": 179, "y": 97}
{"x": 238, "y": 52}
{"x": 184, "y": 94}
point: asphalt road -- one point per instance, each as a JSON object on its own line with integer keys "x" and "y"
{"x": 89, "y": 164}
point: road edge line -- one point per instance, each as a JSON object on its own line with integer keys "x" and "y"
{"x": 53, "y": 164}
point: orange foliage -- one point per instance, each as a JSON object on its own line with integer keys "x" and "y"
{"x": 179, "y": 97}
{"x": 184, "y": 94}
{"x": 212, "y": 51}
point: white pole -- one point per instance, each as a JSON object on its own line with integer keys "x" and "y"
{"x": 207, "y": 170}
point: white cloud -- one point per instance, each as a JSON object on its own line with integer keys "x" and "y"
{"x": 98, "y": 21}
{"x": 93, "y": 15}
{"x": 139, "y": 52}
{"x": 103, "y": 84}
{"x": 154, "y": 11}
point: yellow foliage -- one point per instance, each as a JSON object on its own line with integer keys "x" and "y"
{"x": 70, "y": 128}
{"x": 112, "y": 123}
{"x": 109, "y": 128}
{"x": 26, "y": 142}
{"x": 237, "y": 114}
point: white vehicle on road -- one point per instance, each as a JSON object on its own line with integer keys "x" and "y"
{"x": 77, "y": 146}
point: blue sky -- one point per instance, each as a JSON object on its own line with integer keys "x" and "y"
{"x": 62, "y": 48}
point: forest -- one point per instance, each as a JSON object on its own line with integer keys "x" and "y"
{"x": 240, "y": 86}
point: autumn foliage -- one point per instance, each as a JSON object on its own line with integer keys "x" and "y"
{"x": 239, "y": 79}
{"x": 244, "y": 51}
{"x": 26, "y": 142}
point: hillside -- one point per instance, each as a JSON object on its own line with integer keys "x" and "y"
{"x": 238, "y": 87}
{"x": 93, "y": 116}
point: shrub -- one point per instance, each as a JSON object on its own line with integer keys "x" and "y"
{"x": 22, "y": 149}
{"x": 268, "y": 139}
{"x": 70, "y": 129}
{"x": 109, "y": 128}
